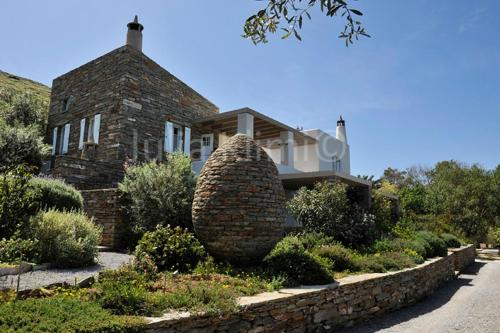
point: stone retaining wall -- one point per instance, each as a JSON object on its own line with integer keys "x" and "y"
{"x": 323, "y": 308}
{"x": 103, "y": 205}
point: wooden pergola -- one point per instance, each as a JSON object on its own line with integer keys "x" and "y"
{"x": 266, "y": 130}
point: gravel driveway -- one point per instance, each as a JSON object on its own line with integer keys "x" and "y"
{"x": 32, "y": 280}
{"x": 469, "y": 304}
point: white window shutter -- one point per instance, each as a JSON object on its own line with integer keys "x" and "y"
{"x": 97, "y": 127}
{"x": 67, "y": 129}
{"x": 169, "y": 137}
{"x": 187, "y": 141}
{"x": 82, "y": 133}
{"x": 54, "y": 140}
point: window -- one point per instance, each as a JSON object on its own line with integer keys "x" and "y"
{"x": 206, "y": 141}
{"x": 65, "y": 105}
{"x": 336, "y": 164}
{"x": 177, "y": 138}
{"x": 64, "y": 139}
{"x": 82, "y": 134}
{"x": 94, "y": 129}
{"x": 54, "y": 140}
{"x": 90, "y": 130}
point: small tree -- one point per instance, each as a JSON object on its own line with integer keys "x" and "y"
{"x": 17, "y": 203}
{"x": 327, "y": 209}
{"x": 159, "y": 193}
{"x": 21, "y": 145}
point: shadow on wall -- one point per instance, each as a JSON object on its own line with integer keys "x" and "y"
{"x": 429, "y": 304}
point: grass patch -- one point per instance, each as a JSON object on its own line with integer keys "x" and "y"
{"x": 62, "y": 314}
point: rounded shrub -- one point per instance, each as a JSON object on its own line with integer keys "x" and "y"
{"x": 340, "y": 257}
{"x": 54, "y": 193}
{"x": 158, "y": 194}
{"x": 290, "y": 259}
{"x": 66, "y": 239}
{"x": 451, "y": 240}
{"x": 438, "y": 245}
{"x": 312, "y": 240}
{"x": 417, "y": 258}
{"x": 170, "y": 249}
{"x": 383, "y": 262}
{"x": 400, "y": 244}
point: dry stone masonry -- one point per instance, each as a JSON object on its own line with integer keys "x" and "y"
{"x": 239, "y": 204}
{"x": 325, "y": 308}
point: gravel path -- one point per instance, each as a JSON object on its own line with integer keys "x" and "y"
{"x": 38, "y": 279}
{"x": 469, "y": 304}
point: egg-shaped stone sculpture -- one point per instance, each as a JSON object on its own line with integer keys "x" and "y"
{"x": 239, "y": 205}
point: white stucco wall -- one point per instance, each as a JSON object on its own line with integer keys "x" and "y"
{"x": 318, "y": 156}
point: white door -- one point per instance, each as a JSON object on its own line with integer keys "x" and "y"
{"x": 207, "y": 146}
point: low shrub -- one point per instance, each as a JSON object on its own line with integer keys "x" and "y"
{"x": 312, "y": 240}
{"x": 158, "y": 194}
{"x": 60, "y": 315}
{"x": 56, "y": 194}
{"x": 417, "y": 258}
{"x": 17, "y": 202}
{"x": 438, "y": 245}
{"x": 290, "y": 259}
{"x": 170, "y": 249}
{"x": 126, "y": 298}
{"x": 451, "y": 240}
{"x": 201, "y": 297}
{"x": 340, "y": 257}
{"x": 327, "y": 208}
{"x": 124, "y": 292}
{"x": 399, "y": 245}
{"x": 14, "y": 249}
{"x": 383, "y": 262}
{"x": 66, "y": 239}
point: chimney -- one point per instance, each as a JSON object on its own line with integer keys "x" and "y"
{"x": 341, "y": 133}
{"x": 134, "y": 34}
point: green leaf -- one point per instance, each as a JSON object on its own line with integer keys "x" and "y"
{"x": 357, "y": 12}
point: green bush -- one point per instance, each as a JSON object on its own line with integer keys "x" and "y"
{"x": 383, "y": 262}
{"x": 66, "y": 239}
{"x": 290, "y": 259}
{"x": 384, "y": 210}
{"x": 399, "y": 245}
{"x": 438, "y": 245}
{"x": 159, "y": 194}
{"x": 56, "y": 194}
{"x": 17, "y": 203}
{"x": 327, "y": 209}
{"x": 170, "y": 249}
{"x": 340, "y": 257}
{"x": 62, "y": 315}
{"x": 417, "y": 258}
{"x": 312, "y": 240}
{"x": 451, "y": 240}
{"x": 13, "y": 249}
{"x": 21, "y": 146}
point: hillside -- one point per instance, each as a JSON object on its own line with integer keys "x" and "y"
{"x": 20, "y": 84}
{"x": 23, "y": 101}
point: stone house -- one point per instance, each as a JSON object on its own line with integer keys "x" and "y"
{"x": 124, "y": 106}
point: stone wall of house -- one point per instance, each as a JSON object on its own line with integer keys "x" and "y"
{"x": 134, "y": 96}
{"x": 87, "y": 174}
{"x": 104, "y": 206}
{"x": 153, "y": 96}
{"x": 323, "y": 308}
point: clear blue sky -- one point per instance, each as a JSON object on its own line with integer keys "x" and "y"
{"x": 425, "y": 88}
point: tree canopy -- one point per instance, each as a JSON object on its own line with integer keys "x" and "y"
{"x": 288, "y": 16}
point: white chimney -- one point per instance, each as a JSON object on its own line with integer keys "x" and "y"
{"x": 341, "y": 133}
{"x": 134, "y": 34}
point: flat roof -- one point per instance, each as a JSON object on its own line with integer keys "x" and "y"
{"x": 265, "y": 128}
{"x": 299, "y": 179}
